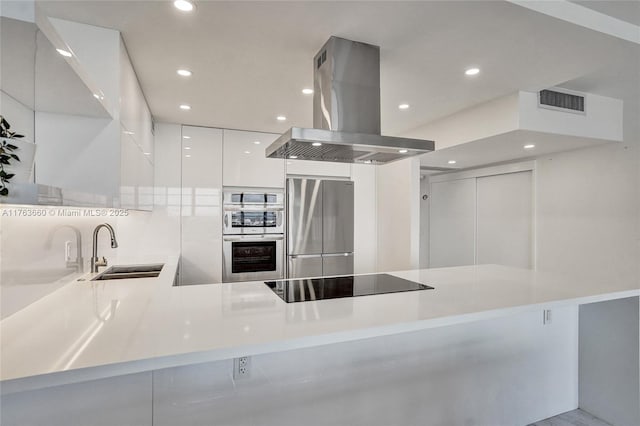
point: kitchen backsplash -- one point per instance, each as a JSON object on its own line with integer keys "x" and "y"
{"x": 38, "y": 246}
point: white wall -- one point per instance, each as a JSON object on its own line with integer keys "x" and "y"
{"x": 365, "y": 223}
{"x": 398, "y": 207}
{"x": 587, "y": 210}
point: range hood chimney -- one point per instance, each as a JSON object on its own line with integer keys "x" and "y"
{"x": 346, "y": 112}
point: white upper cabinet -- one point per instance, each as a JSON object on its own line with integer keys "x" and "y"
{"x": 245, "y": 163}
{"x": 136, "y": 140}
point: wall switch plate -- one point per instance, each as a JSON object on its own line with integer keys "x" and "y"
{"x": 242, "y": 368}
{"x": 546, "y": 316}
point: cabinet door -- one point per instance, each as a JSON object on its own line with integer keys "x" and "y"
{"x": 505, "y": 219}
{"x": 452, "y": 223}
{"x": 245, "y": 163}
{"x": 201, "y": 205}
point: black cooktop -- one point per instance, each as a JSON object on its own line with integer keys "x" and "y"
{"x": 308, "y": 289}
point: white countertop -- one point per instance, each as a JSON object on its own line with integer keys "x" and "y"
{"x": 95, "y": 329}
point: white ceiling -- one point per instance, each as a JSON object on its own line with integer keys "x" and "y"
{"x": 625, "y": 10}
{"x": 251, "y": 59}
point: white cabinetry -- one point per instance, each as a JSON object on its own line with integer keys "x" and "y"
{"x": 136, "y": 140}
{"x": 201, "y": 261}
{"x": 245, "y": 163}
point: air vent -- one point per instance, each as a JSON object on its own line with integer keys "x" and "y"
{"x": 322, "y": 59}
{"x": 562, "y": 101}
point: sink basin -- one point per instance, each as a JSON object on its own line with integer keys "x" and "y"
{"x": 129, "y": 271}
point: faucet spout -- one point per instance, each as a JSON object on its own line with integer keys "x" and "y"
{"x": 95, "y": 261}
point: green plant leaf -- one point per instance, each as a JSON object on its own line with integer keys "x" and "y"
{"x": 12, "y": 147}
{"x": 4, "y": 122}
{"x": 17, "y": 136}
{"x": 4, "y": 192}
{"x": 15, "y": 157}
{"x": 4, "y": 161}
{"x": 9, "y": 176}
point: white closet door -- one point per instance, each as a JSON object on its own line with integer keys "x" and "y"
{"x": 452, "y": 223}
{"x": 505, "y": 219}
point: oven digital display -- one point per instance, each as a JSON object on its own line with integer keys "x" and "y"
{"x": 260, "y": 256}
{"x": 254, "y": 219}
{"x": 253, "y": 198}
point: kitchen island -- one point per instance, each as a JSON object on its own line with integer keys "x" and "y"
{"x": 93, "y": 331}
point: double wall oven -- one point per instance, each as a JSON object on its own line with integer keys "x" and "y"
{"x": 253, "y": 234}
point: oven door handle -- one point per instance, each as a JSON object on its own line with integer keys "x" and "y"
{"x": 250, "y": 238}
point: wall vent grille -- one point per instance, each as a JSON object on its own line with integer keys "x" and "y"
{"x": 562, "y": 101}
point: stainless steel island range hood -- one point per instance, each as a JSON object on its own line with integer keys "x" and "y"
{"x": 346, "y": 112}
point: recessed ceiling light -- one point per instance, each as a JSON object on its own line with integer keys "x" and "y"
{"x": 183, "y": 5}
{"x": 188, "y": 156}
{"x": 281, "y": 118}
{"x": 529, "y": 146}
{"x": 307, "y": 91}
{"x": 317, "y": 144}
{"x": 403, "y": 106}
{"x": 293, "y": 157}
{"x": 185, "y": 107}
{"x": 184, "y": 73}
{"x": 472, "y": 71}
{"x": 64, "y": 53}
{"x": 403, "y": 151}
{"x": 247, "y": 152}
{"x": 147, "y": 153}
{"x": 186, "y": 137}
{"x": 451, "y": 161}
{"x": 257, "y": 143}
{"x": 187, "y": 147}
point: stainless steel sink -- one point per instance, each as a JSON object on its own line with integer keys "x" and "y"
{"x": 130, "y": 271}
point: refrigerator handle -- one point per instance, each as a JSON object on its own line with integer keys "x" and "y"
{"x": 338, "y": 254}
{"x": 304, "y": 256}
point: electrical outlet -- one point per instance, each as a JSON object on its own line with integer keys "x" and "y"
{"x": 546, "y": 316}
{"x": 241, "y": 367}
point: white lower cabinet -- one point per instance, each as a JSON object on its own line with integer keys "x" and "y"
{"x": 245, "y": 163}
{"x": 201, "y": 206}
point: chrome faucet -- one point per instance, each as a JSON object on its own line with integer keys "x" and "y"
{"x": 78, "y": 264}
{"x": 95, "y": 261}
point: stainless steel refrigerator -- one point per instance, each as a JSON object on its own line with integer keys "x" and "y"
{"x": 319, "y": 227}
